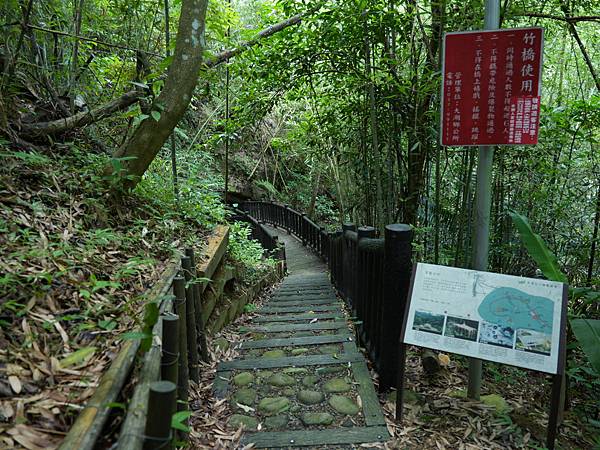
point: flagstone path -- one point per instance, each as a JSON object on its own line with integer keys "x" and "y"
{"x": 300, "y": 380}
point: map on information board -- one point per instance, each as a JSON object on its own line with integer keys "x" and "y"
{"x": 502, "y": 318}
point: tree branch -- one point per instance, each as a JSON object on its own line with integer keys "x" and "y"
{"x": 560, "y": 18}
{"x": 269, "y": 31}
{"x": 87, "y": 39}
{"x": 83, "y": 118}
{"x": 129, "y": 98}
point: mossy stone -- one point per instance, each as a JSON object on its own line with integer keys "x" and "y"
{"x": 344, "y": 405}
{"x": 310, "y": 380}
{"x": 242, "y": 379}
{"x": 273, "y": 354}
{"x": 295, "y": 370}
{"x": 245, "y": 396}
{"x": 330, "y": 369}
{"x": 299, "y": 351}
{"x": 271, "y": 406}
{"x": 310, "y": 397}
{"x": 317, "y": 418}
{"x": 329, "y": 349}
{"x": 497, "y": 401}
{"x": 276, "y": 422}
{"x": 336, "y": 385}
{"x": 281, "y": 379}
{"x": 222, "y": 343}
{"x": 247, "y": 422}
{"x": 264, "y": 374}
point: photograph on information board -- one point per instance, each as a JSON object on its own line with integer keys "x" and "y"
{"x": 502, "y": 318}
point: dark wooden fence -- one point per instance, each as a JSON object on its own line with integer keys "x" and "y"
{"x": 370, "y": 273}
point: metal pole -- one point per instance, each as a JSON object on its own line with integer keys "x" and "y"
{"x": 483, "y": 206}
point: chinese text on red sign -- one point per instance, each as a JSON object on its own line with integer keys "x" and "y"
{"x": 491, "y": 87}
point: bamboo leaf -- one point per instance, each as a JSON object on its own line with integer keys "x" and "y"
{"x": 587, "y": 332}
{"x": 537, "y": 248}
{"x": 78, "y": 356}
{"x": 178, "y": 420}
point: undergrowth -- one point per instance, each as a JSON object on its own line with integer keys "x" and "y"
{"x": 76, "y": 262}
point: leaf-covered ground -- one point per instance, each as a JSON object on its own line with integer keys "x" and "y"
{"x": 437, "y": 416}
{"x": 75, "y": 265}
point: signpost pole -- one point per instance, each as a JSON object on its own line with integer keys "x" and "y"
{"x": 483, "y": 206}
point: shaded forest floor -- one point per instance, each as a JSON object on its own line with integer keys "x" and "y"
{"x": 437, "y": 416}
{"x": 513, "y": 412}
{"x": 75, "y": 269}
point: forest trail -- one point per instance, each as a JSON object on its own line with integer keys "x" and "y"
{"x": 301, "y": 380}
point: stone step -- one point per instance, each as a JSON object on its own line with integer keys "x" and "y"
{"x": 354, "y": 435}
{"x": 289, "y": 361}
{"x": 308, "y": 301}
{"x": 301, "y": 379}
{"x": 298, "y": 308}
{"x": 332, "y": 325}
{"x": 298, "y": 341}
{"x": 297, "y": 317}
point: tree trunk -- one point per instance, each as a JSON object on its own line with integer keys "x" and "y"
{"x": 174, "y": 99}
{"x": 316, "y": 178}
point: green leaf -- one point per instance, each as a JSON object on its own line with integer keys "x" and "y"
{"x": 151, "y": 313}
{"x": 78, "y": 356}
{"x": 107, "y": 325}
{"x": 116, "y": 405}
{"x": 178, "y": 420}
{"x": 587, "y": 332}
{"x": 133, "y": 335}
{"x": 537, "y": 249}
{"x": 181, "y": 133}
{"x": 155, "y": 115}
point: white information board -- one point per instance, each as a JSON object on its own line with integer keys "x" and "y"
{"x": 502, "y": 318}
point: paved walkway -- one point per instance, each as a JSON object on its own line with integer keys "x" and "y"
{"x": 300, "y": 380}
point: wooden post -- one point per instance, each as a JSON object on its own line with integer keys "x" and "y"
{"x": 558, "y": 380}
{"x": 555, "y": 407}
{"x": 346, "y": 264}
{"x": 170, "y": 348}
{"x": 189, "y": 252}
{"x": 161, "y": 407}
{"x": 397, "y": 270}
{"x": 192, "y": 341}
{"x": 183, "y": 371}
{"x": 400, "y": 382}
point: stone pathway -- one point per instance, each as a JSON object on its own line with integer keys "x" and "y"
{"x": 301, "y": 381}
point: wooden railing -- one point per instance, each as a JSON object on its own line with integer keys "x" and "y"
{"x": 161, "y": 384}
{"x": 370, "y": 273}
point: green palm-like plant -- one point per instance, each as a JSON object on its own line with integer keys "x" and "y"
{"x": 587, "y": 331}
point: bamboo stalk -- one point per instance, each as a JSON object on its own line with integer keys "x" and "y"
{"x": 161, "y": 407}
{"x": 170, "y": 348}
{"x": 192, "y": 341}
{"x": 183, "y": 371}
{"x": 198, "y": 308}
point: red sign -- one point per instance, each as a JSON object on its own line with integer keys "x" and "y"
{"x": 491, "y": 87}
